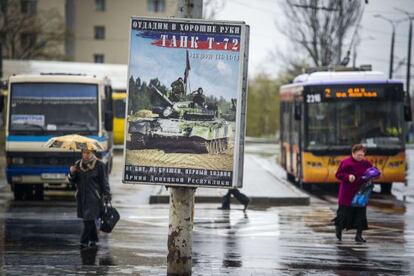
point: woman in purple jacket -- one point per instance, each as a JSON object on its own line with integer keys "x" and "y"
{"x": 349, "y": 173}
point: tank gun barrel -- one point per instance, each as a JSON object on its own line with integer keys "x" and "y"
{"x": 164, "y": 98}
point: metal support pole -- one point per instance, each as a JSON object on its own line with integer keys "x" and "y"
{"x": 394, "y": 24}
{"x": 392, "y": 52}
{"x": 410, "y": 17}
{"x": 180, "y": 233}
{"x": 180, "y": 238}
{"x": 410, "y": 32}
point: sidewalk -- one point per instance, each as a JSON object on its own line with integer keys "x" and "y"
{"x": 264, "y": 183}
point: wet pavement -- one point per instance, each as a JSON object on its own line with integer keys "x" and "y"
{"x": 41, "y": 238}
{"x": 264, "y": 182}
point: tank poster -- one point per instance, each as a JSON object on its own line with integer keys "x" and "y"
{"x": 186, "y": 102}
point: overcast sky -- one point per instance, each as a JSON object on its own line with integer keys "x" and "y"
{"x": 375, "y": 35}
{"x": 219, "y": 78}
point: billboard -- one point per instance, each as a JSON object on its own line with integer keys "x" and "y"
{"x": 186, "y": 102}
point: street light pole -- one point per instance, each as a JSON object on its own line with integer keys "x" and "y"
{"x": 410, "y": 31}
{"x": 392, "y": 51}
{"x": 358, "y": 41}
{"x": 394, "y": 24}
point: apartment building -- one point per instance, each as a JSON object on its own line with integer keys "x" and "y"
{"x": 101, "y": 27}
{"x": 85, "y": 30}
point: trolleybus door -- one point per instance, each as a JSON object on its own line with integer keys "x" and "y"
{"x": 290, "y": 137}
{"x": 296, "y": 153}
{"x": 298, "y": 138}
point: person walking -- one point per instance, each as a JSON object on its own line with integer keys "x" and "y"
{"x": 242, "y": 198}
{"x": 349, "y": 173}
{"x": 92, "y": 190}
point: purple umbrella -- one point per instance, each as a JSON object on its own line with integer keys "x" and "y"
{"x": 371, "y": 173}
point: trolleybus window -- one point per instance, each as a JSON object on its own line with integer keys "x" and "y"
{"x": 344, "y": 123}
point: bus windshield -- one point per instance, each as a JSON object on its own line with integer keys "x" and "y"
{"x": 53, "y": 107}
{"x": 343, "y": 123}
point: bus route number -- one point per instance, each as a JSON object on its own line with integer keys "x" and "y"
{"x": 313, "y": 98}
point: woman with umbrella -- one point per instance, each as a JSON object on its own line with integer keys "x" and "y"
{"x": 92, "y": 190}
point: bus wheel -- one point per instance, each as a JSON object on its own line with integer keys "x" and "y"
{"x": 386, "y": 188}
{"x": 18, "y": 191}
{"x": 28, "y": 191}
{"x": 290, "y": 178}
{"x": 38, "y": 192}
{"x": 306, "y": 187}
{"x": 23, "y": 192}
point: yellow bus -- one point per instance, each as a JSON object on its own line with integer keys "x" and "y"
{"x": 323, "y": 114}
{"x": 119, "y": 107}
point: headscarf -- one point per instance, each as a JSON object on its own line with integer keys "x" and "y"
{"x": 88, "y": 165}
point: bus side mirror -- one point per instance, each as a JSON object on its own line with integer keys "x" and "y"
{"x": 1, "y": 103}
{"x": 108, "y": 97}
{"x": 109, "y": 123}
{"x": 297, "y": 111}
{"x": 407, "y": 107}
{"x": 407, "y": 113}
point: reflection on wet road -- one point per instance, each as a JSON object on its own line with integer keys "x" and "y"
{"x": 286, "y": 239}
{"x": 42, "y": 238}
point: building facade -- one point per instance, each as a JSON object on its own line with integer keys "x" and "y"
{"x": 100, "y": 28}
{"x": 32, "y": 28}
{"x": 74, "y": 30}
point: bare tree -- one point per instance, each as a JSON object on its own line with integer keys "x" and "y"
{"x": 212, "y": 7}
{"x": 320, "y": 27}
{"x": 31, "y": 34}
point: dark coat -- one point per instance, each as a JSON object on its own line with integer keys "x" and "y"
{"x": 91, "y": 187}
{"x": 347, "y": 190}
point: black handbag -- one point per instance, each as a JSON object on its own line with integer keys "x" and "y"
{"x": 109, "y": 218}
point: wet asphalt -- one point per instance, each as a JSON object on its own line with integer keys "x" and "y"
{"x": 42, "y": 238}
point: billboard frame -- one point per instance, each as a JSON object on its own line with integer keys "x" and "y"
{"x": 240, "y": 119}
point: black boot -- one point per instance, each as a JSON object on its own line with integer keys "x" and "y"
{"x": 225, "y": 202}
{"x": 358, "y": 237}
{"x": 338, "y": 232}
{"x": 246, "y": 203}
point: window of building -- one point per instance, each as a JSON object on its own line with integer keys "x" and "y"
{"x": 156, "y": 5}
{"x": 98, "y": 58}
{"x": 99, "y": 32}
{"x": 100, "y": 5}
{"x": 27, "y": 40}
{"x": 28, "y": 6}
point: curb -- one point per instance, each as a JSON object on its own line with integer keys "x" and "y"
{"x": 259, "y": 201}
{"x": 258, "y": 140}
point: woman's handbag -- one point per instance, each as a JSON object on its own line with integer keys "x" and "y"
{"x": 109, "y": 218}
{"x": 363, "y": 195}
